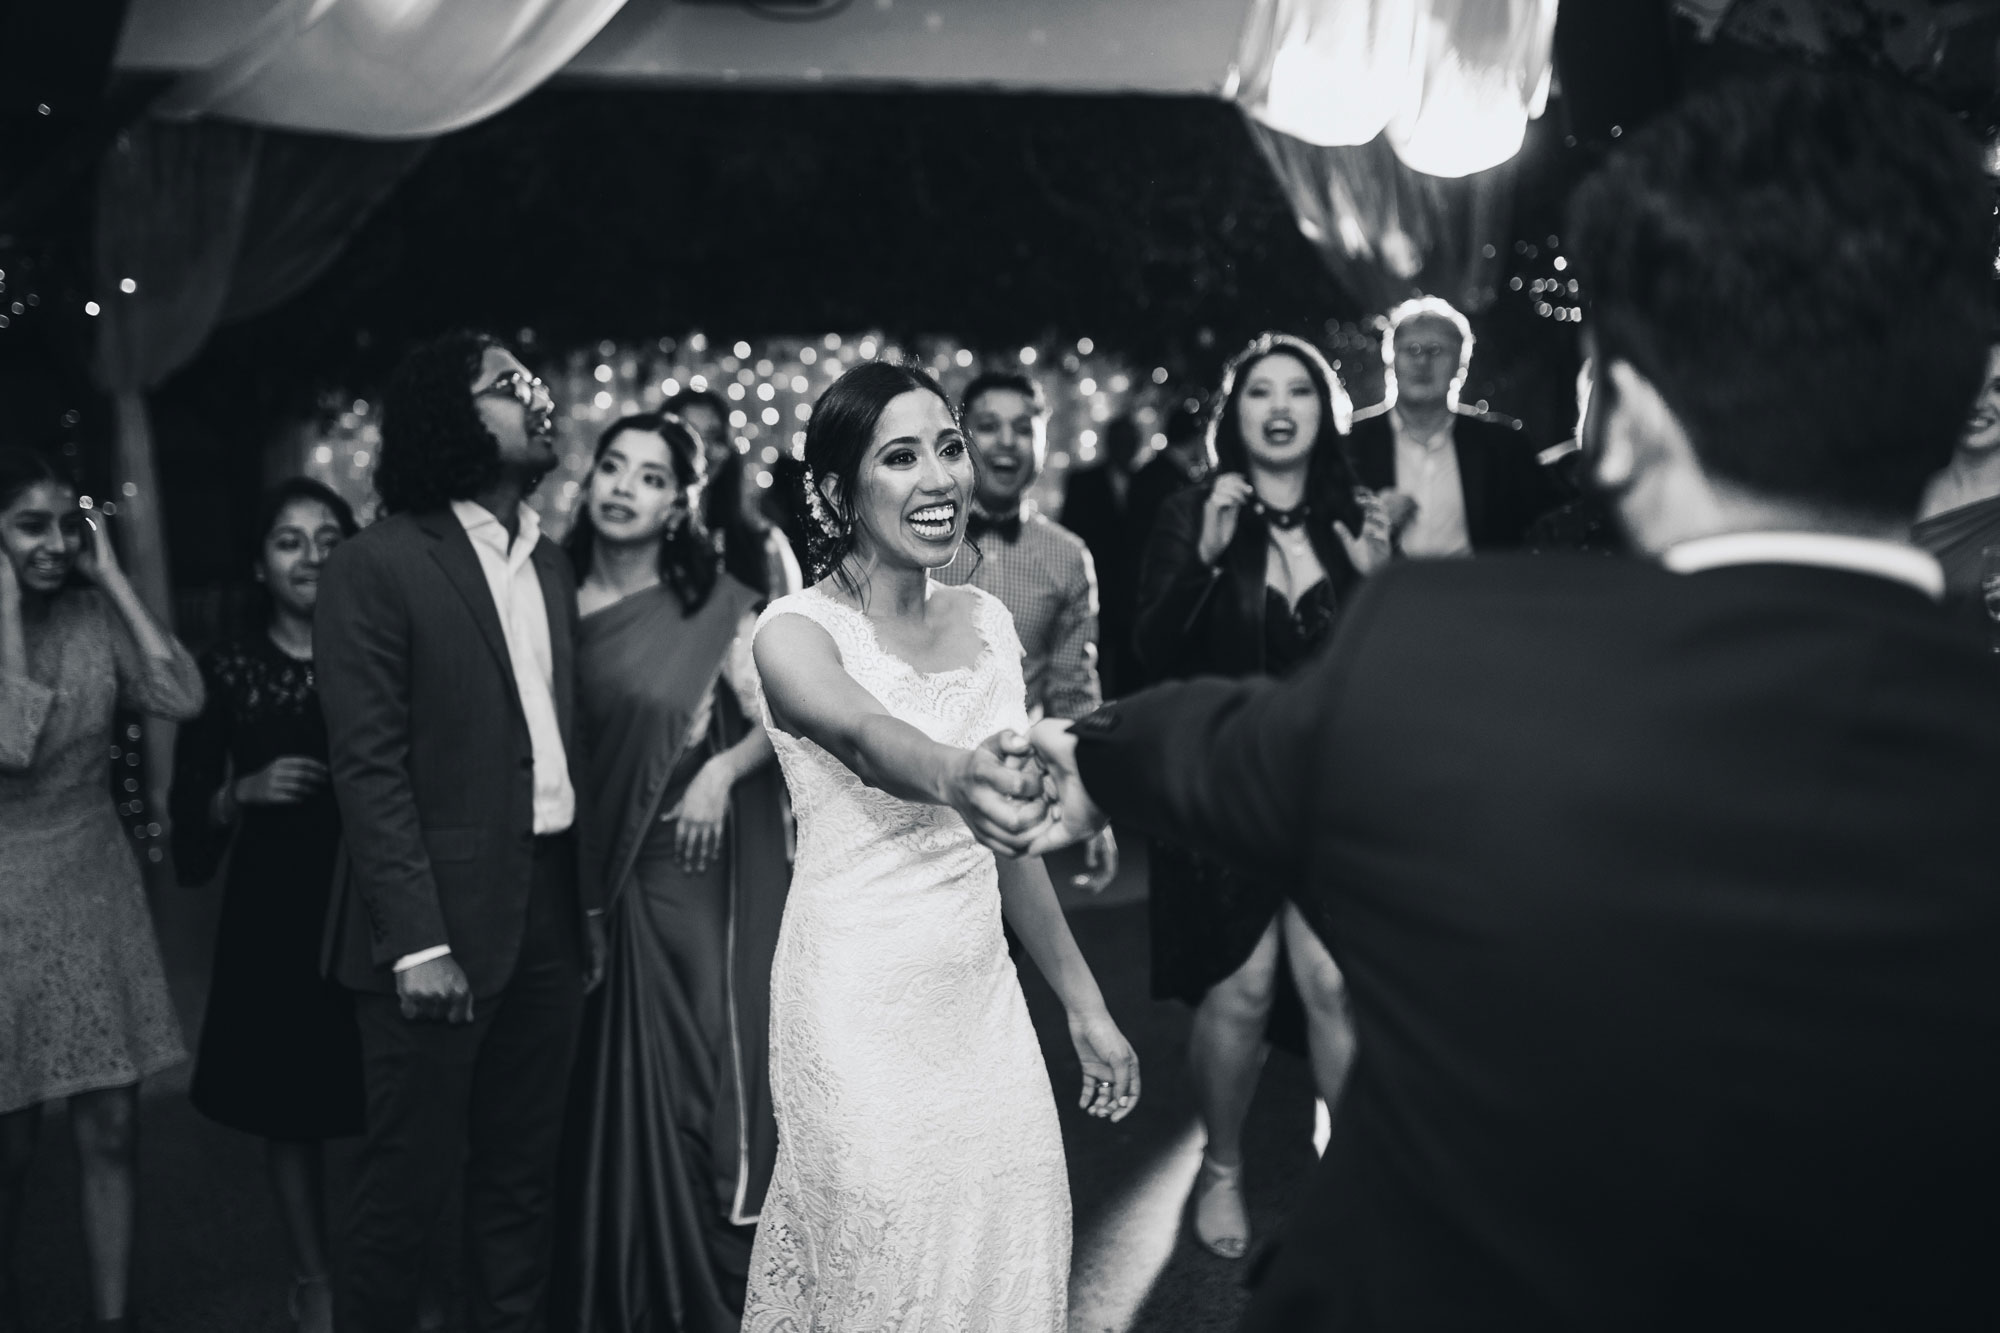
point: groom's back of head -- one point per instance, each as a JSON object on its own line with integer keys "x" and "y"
{"x": 1800, "y": 266}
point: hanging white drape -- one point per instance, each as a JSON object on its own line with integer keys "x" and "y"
{"x": 1450, "y": 84}
{"x": 389, "y": 69}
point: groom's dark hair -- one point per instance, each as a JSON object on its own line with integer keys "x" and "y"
{"x": 1800, "y": 264}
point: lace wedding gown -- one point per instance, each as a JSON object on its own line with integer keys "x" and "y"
{"x": 920, "y": 1184}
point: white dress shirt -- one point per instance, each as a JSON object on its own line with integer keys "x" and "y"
{"x": 524, "y": 623}
{"x": 1860, "y": 555}
{"x": 1427, "y": 472}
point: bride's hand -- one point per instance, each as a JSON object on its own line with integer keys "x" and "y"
{"x": 1110, "y": 1068}
{"x": 999, "y": 797}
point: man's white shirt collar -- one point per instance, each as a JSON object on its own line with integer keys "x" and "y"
{"x": 1858, "y": 555}
{"x": 473, "y": 517}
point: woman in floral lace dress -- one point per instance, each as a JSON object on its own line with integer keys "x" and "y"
{"x": 84, "y": 1009}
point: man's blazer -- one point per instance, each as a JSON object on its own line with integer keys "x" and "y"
{"x": 431, "y": 759}
{"x": 1504, "y": 484}
{"x": 1669, "y": 907}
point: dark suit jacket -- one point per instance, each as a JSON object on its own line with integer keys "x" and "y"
{"x": 1152, "y": 486}
{"x": 1669, "y": 911}
{"x": 1195, "y": 619}
{"x": 1505, "y": 486}
{"x": 1093, "y": 510}
{"x": 431, "y": 759}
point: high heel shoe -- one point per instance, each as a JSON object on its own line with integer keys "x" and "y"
{"x": 1221, "y": 1223}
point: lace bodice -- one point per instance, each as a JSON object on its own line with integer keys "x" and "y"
{"x": 960, "y": 707}
{"x": 920, "y": 1182}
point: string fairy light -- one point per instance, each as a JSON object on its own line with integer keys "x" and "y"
{"x": 1086, "y": 385}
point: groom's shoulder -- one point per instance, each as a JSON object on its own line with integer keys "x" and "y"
{"x": 1504, "y": 613}
{"x": 1507, "y": 587}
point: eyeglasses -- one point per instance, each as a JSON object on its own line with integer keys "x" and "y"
{"x": 519, "y": 385}
{"x": 1427, "y": 351}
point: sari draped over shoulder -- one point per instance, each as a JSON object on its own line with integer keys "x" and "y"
{"x": 671, "y": 1137}
{"x": 1956, "y": 537}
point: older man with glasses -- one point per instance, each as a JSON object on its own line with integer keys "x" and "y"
{"x": 1469, "y": 481}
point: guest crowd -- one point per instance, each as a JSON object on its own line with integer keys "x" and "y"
{"x": 504, "y": 849}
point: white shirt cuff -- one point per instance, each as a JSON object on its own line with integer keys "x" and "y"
{"x": 410, "y": 960}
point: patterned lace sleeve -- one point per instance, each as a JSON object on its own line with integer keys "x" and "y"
{"x": 168, "y": 687}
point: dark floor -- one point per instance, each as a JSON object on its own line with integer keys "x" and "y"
{"x": 212, "y": 1258}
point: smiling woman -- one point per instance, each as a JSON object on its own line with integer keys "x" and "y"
{"x": 919, "y": 1180}
{"x": 843, "y": 442}
{"x": 280, "y": 1056}
{"x": 1246, "y": 575}
{"x": 83, "y": 997}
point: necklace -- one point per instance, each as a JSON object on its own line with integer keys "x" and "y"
{"x": 1282, "y": 520}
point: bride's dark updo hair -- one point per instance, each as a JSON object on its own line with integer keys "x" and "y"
{"x": 837, "y": 438}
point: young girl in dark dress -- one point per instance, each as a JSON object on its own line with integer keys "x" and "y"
{"x": 279, "y": 1054}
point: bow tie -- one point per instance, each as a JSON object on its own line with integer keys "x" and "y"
{"x": 1008, "y": 529}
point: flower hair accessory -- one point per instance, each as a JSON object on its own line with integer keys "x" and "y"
{"x": 816, "y": 505}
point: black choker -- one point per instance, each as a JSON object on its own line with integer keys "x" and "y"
{"x": 1282, "y": 519}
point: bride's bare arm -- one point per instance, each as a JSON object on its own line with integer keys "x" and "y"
{"x": 811, "y": 695}
{"x": 1110, "y": 1069}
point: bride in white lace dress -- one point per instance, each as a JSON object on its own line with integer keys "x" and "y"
{"x": 920, "y": 1182}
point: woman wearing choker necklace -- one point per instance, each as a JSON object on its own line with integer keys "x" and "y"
{"x": 280, "y": 1055}
{"x": 1242, "y": 575}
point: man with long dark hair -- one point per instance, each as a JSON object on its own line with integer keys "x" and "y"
{"x": 1664, "y": 889}
{"x": 446, "y": 636}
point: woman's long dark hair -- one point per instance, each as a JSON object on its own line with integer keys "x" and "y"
{"x": 435, "y": 447}
{"x": 743, "y": 536}
{"x": 1330, "y": 475}
{"x": 837, "y": 439}
{"x": 688, "y": 563}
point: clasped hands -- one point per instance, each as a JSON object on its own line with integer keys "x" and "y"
{"x": 1021, "y": 795}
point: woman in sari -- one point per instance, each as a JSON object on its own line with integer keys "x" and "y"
{"x": 671, "y": 1134}
{"x": 1960, "y": 518}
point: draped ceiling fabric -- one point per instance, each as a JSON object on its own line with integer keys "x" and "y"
{"x": 224, "y": 217}
{"x": 208, "y": 223}
{"x": 1390, "y": 124}
{"x": 389, "y": 69}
